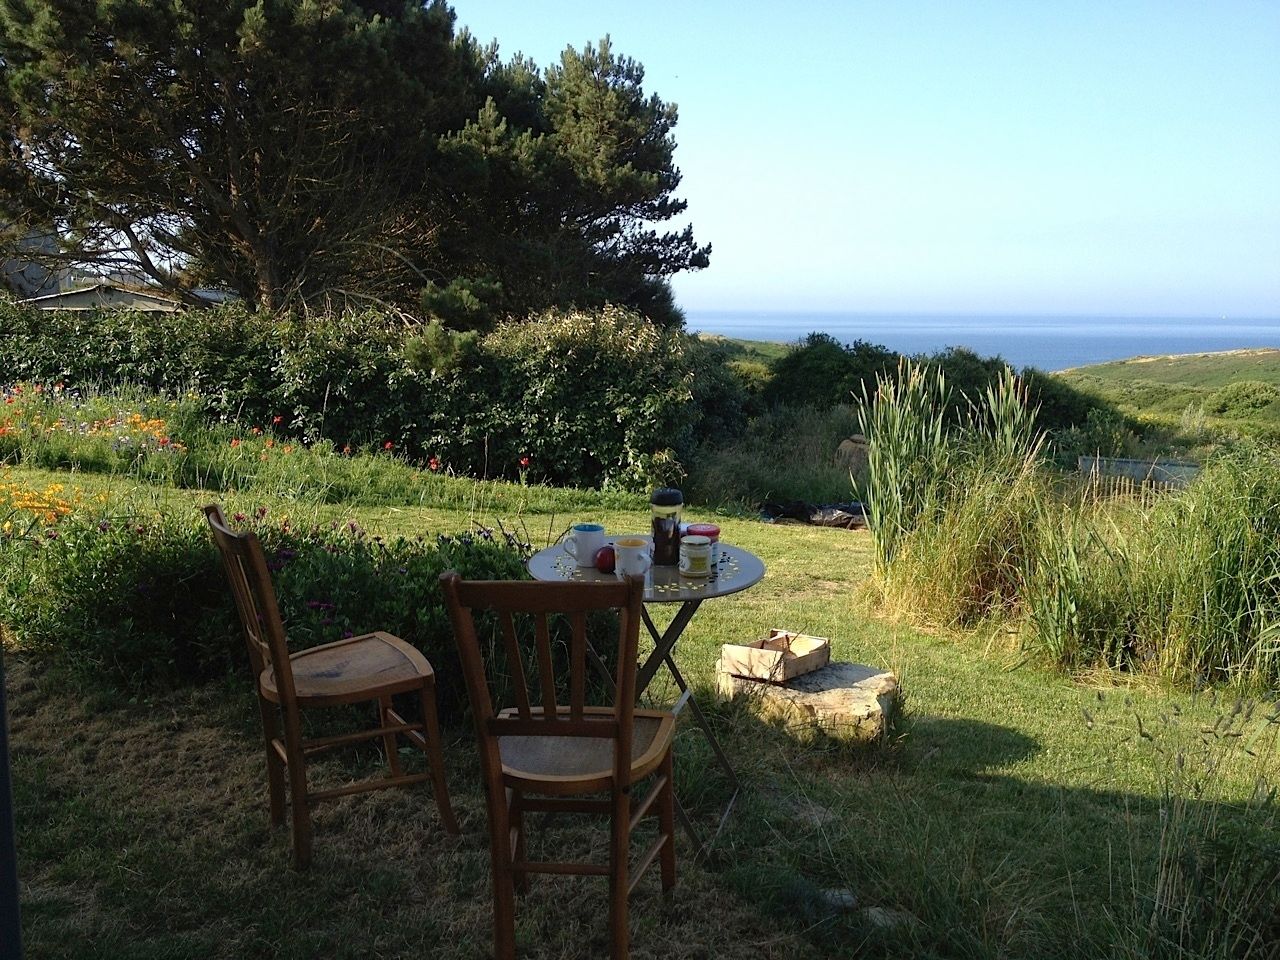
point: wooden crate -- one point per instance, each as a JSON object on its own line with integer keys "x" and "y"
{"x": 778, "y": 657}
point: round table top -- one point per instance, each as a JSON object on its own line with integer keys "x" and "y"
{"x": 736, "y": 570}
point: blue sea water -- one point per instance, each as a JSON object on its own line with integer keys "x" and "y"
{"x": 1050, "y": 343}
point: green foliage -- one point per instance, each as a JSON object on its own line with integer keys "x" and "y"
{"x": 821, "y": 371}
{"x": 949, "y": 506}
{"x": 563, "y": 175}
{"x": 1190, "y": 406}
{"x": 602, "y": 397}
{"x": 304, "y": 153}
{"x": 787, "y": 453}
{"x": 437, "y": 350}
{"x": 137, "y": 600}
{"x": 909, "y": 455}
{"x": 1243, "y": 398}
{"x": 590, "y": 398}
{"x": 969, "y": 524}
{"x": 1189, "y": 587}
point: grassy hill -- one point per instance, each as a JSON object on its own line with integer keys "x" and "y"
{"x": 1234, "y": 391}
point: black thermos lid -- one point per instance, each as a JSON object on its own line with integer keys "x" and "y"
{"x": 667, "y": 497}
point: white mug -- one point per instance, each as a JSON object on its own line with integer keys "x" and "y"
{"x": 583, "y": 543}
{"x": 631, "y": 557}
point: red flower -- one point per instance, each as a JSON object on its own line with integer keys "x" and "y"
{"x": 277, "y": 420}
{"x": 524, "y": 461}
{"x": 434, "y": 463}
{"x": 388, "y": 445}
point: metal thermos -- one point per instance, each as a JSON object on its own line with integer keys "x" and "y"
{"x": 665, "y": 505}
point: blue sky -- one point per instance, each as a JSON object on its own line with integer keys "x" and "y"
{"x": 1023, "y": 157}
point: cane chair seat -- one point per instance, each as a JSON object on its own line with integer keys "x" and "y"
{"x": 572, "y": 765}
{"x": 357, "y": 668}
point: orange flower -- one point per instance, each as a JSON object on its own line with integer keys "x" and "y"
{"x": 235, "y": 442}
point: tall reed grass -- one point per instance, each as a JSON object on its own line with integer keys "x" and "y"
{"x": 950, "y": 502}
{"x": 971, "y": 524}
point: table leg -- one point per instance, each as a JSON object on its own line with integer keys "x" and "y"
{"x": 663, "y": 652}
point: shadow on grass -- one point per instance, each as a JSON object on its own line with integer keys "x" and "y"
{"x": 145, "y": 834}
{"x": 943, "y": 841}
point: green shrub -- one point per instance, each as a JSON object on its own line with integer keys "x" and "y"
{"x": 589, "y": 399}
{"x": 592, "y": 398}
{"x": 1242, "y": 398}
{"x": 787, "y": 453}
{"x": 138, "y": 601}
{"x": 821, "y": 371}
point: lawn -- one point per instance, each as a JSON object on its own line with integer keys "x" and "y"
{"x": 1015, "y": 812}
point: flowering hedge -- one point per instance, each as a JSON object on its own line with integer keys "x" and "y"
{"x": 573, "y": 398}
{"x": 137, "y": 601}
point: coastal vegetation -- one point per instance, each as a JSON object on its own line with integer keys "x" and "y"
{"x": 1184, "y": 405}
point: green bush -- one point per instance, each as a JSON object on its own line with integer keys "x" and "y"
{"x": 592, "y": 398}
{"x": 821, "y": 372}
{"x": 138, "y": 602}
{"x": 589, "y": 399}
{"x": 1242, "y": 398}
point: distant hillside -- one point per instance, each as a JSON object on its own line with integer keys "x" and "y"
{"x": 762, "y": 351}
{"x": 1234, "y": 389}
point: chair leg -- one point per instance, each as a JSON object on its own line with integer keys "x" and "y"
{"x": 389, "y": 739}
{"x": 619, "y": 850}
{"x": 667, "y": 824}
{"x": 275, "y": 767}
{"x": 435, "y": 758}
{"x": 504, "y": 892}
{"x": 297, "y": 770}
{"x": 520, "y": 877}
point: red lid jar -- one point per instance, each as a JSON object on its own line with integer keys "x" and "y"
{"x": 709, "y": 530}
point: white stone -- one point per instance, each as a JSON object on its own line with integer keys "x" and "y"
{"x": 847, "y": 700}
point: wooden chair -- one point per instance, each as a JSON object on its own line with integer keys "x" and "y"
{"x": 550, "y": 757}
{"x": 373, "y": 667}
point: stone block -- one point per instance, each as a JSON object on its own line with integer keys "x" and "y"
{"x": 850, "y": 701}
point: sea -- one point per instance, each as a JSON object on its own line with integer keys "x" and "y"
{"x": 1046, "y": 342}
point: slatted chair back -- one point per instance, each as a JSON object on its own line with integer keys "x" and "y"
{"x": 541, "y": 715}
{"x": 250, "y": 580}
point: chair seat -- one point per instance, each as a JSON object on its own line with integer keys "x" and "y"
{"x": 357, "y": 668}
{"x": 583, "y": 764}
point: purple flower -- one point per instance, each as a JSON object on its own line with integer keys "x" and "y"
{"x": 104, "y": 526}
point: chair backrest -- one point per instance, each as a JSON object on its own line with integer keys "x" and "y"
{"x": 250, "y": 580}
{"x": 543, "y": 716}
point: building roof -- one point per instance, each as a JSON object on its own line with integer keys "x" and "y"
{"x": 102, "y": 295}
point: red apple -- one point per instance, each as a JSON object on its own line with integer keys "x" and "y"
{"x": 604, "y": 559}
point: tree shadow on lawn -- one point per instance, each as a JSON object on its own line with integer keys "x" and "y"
{"x": 143, "y": 833}
{"x": 955, "y": 846}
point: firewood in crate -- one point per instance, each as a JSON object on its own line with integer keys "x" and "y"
{"x": 778, "y": 657}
